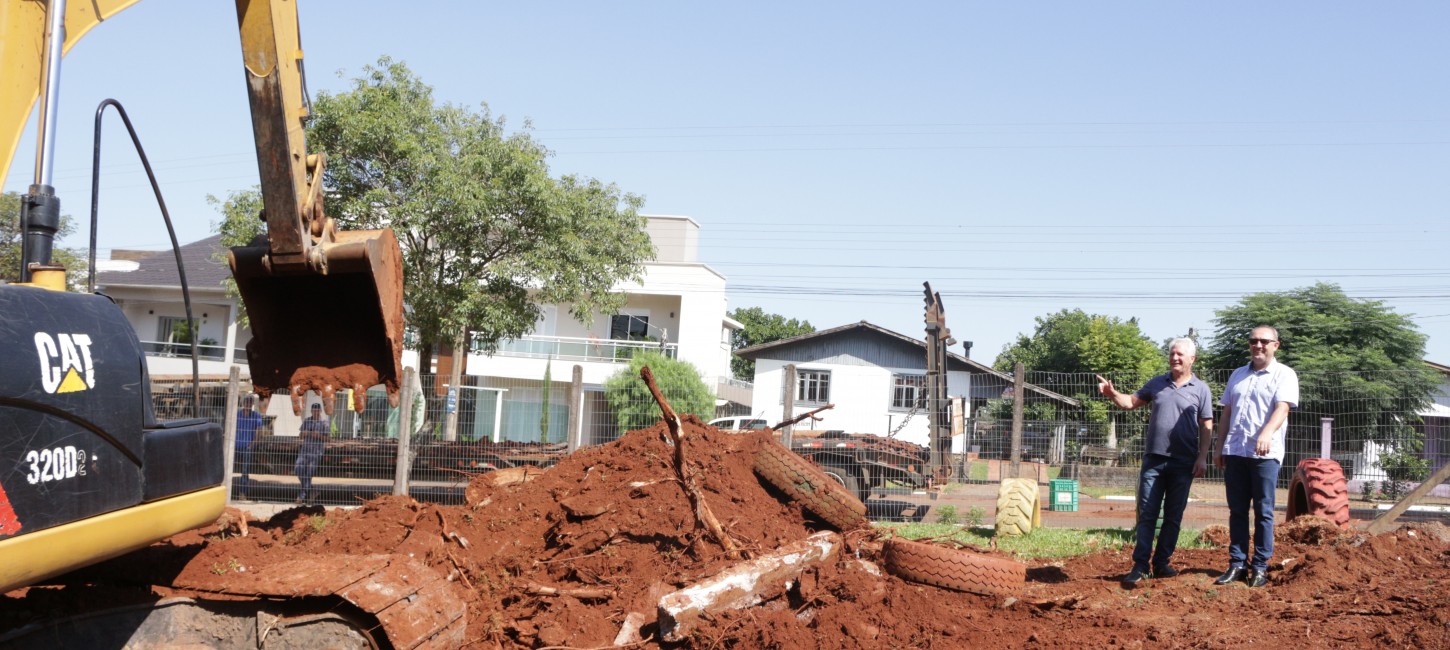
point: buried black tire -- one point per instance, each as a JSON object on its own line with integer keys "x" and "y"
{"x": 953, "y": 569}
{"x": 822, "y": 495}
{"x": 1320, "y": 489}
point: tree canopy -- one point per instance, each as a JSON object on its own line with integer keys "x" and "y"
{"x": 1358, "y": 361}
{"x": 760, "y": 327}
{"x": 679, "y": 381}
{"x": 486, "y": 233}
{"x": 73, "y": 260}
{"x": 240, "y": 224}
{"x": 1076, "y": 342}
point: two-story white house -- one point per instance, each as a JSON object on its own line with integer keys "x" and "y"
{"x": 147, "y": 287}
{"x": 677, "y": 308}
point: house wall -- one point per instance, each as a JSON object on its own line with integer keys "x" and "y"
{"x": 860, "y": 391}
{"x": 676, "y": 239}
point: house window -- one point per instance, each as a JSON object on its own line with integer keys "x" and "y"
{"x": 813, "y": 386}
{"x": 628, "y": 327}
{"x": 171, "y": 329}
{"x": 908, "y": 391}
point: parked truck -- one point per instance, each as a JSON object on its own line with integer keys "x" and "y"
{"x": 863, "y": 462}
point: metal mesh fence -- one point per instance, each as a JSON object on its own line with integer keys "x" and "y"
{"x": 1069, "y": 430}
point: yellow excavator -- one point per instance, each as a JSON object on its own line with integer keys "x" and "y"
{"x": 87, "y": 471}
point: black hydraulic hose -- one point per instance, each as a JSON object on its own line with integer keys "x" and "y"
{"x": 165, "y": 216}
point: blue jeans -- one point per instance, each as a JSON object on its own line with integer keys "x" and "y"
{"x": 1250, "y": 481}
{"x": 1162, "y": 488}
{"x": 244, "y": 468}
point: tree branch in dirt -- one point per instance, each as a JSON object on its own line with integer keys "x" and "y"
{"x": 798, "y": 418}
{"x": 462, "y": 574}
{"x": 743, "y": 585}
{"x": 703, "y": 515}
{"x": 582, "y": 593}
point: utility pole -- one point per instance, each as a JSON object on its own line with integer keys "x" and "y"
{"x": 938, "y": 339}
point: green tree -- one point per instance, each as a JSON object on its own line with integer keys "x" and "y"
{"x": 240, "y": 225}
{"x": 73, "y": 260}
{"x": 1073, "y": 342}
{"x": 1358, "y": 361}
{"x": 633, "y": 405}
{"x": 486, "y": 233}
{"x": 760, "y": 327}
{"x": 1063, "y": 353}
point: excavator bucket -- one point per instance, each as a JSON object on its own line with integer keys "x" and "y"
{"x": 324, "y": 331}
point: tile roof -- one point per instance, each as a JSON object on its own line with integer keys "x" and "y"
{"x": 204, "y": 269}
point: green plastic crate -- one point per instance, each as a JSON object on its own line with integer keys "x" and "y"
{"x": 1063, "y": 495}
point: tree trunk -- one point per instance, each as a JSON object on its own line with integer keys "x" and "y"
{"x": 455, "y": 377}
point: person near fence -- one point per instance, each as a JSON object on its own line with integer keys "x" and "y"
{"x": 1256, "y": 403}
{"x": 248, "y": 422}
{"x": 314, "y": 438}
{"x": 1175, "y": 451}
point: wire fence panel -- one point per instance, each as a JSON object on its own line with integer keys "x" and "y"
{"x": 1069, "y": 430}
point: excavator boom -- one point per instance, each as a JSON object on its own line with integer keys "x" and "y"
{"x": 326, "y": 306}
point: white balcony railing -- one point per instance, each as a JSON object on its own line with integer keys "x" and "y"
{"x": 205, "y": 352}
{"x": 578, "y": 349}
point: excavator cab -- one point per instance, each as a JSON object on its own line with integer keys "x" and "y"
{"x": 87, "y": 472}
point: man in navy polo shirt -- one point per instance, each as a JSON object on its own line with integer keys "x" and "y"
{"x": 1175, "y": 451}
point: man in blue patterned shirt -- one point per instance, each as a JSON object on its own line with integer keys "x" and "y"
{"x": 1256, "y": 405}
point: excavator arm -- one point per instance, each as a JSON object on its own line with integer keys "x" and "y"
{"x": 325, "y": 305}
{"x": 87, "y": 472}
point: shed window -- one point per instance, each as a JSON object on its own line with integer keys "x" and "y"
{"x": 813, "y": 386}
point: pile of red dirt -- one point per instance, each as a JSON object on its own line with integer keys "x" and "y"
{"x": 612, "y": 528}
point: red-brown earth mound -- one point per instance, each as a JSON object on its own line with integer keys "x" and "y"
{"x": 612, "y": 526}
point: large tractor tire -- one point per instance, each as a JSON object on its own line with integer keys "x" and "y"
{"x": 950, "y": 568}
{"x": 801, "y": 480}
{"x": 1018, "y": 508}
{"x": 1319, "y": 488}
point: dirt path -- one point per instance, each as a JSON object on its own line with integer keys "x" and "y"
{"x": 614, "y": 525}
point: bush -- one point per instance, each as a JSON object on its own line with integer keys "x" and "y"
{"x": 1402, "y": 466}
{"x": 679, "y": 381}
{"x": 946, "y": 515}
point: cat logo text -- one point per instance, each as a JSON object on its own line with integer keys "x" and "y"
{"x": 65, "y": 362}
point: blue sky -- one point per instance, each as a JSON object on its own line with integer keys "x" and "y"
{"x": 1156, "y": 161}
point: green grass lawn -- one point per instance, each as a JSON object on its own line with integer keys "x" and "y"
{"x": 1040, "y": 543}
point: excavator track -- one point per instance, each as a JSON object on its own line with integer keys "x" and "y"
{"x": 372, "y": 602}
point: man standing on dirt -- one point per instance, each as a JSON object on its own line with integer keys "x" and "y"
{"x": 1175, "y": 451}
{"x": 248, "y": 422}
{"x": 314, "y": 438}
{"x": 1256, "y": 403}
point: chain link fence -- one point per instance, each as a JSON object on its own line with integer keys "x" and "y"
{"x": 1069, "y": 430}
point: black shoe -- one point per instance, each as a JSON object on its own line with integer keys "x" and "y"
{"x": 1234, "y": 574}
{"x": 1134, "y": 578}
{"x": 1165, "y": 571}
{"x": 1257, "y": 578}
